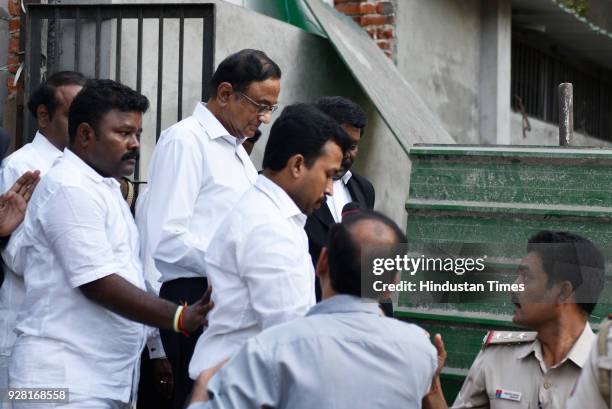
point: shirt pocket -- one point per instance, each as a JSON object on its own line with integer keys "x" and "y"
{"x": 497, "y": 403}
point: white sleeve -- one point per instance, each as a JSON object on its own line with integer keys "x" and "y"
{"x": 276, "y": 283}
{"x": 171, "y": 201}
{"x": 74, "y": 223}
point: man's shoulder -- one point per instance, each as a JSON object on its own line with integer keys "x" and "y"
{"x": 184, "y": 130}
{"x": 21, "y": 160}
{"x": 508, "y": 338}
{"x": 362, "y": 180}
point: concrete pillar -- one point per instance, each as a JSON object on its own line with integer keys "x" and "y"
{"x": 494, "y": 94}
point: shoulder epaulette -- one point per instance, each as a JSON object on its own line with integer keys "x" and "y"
{"x": 508, "y": 337}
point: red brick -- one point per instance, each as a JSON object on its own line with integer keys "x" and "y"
{"x": 384, "y": 7}
{"x": 384, "y": 44}
{"x": 356, "y": 8}
{"x": 357, "y": 19}
{"x": 13, "y": 63}
{"x": 371, "y": 31}
{"x": 389, "y": 19}
{"x": 385, "y": 32}
{"x": 14, "y": 44}
{"x": 14, "y": 8}
{"x": 9, "y": 84}
{"x": 14, "y": 24}
{"x": 372, "y": 20}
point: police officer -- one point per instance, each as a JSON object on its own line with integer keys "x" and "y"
{"x": 594, "y": 383}
{"x": 562, "y": 275}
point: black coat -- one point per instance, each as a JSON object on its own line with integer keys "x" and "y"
{"x": 319, "y": 222}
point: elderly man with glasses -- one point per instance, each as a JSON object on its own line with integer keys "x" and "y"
{"x": 198, "y": 172}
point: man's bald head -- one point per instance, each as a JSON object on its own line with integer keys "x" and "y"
{"x": 366, "y": 228}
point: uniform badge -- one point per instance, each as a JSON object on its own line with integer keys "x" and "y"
{"x": 508, "y": 395}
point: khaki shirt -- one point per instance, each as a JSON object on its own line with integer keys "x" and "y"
{"x": 513, "y": 375}
{"x": 587, "y": 389}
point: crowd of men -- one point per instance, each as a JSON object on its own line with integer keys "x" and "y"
{"x": 246, "y": 282}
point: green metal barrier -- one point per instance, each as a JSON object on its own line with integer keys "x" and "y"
{"x": 493, "y": 198}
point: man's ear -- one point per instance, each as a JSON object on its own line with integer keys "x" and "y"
{"x": 225, "y": 92}
{"x": 42, "y": 116}
{"x": 322, "y": 269}
{"x": 566, "y": 290}
{"x": 296, "y": 165}
{"x": 84, "y": 135}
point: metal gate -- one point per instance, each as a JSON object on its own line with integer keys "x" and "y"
{"x": 124, "y": 42}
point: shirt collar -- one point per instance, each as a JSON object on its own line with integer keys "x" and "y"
{"x": 281, "y": 199}
{"x": 214, "y": 128}
{"x": 88, "y": 170}
{"x": 343, "y": 303}
{"x": 40, "y": 141}
{"x": 346, "y": 177}
{"x": 578, "y": 354}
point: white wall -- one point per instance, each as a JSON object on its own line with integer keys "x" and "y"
{"x": 438, "y": 52}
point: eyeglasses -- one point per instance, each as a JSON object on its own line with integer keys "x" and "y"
{"x": 262, "y": 109}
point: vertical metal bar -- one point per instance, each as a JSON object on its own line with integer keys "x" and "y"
{"x": 208, "y": 50}
{"x": 160, "y": 73}
{"x": 31, "y": 69}
{"x": 566, "y": 114}
{"x": 179, "y": 103}
{"x": 77, "y": 39}
{"x": 139, "y": 52}
{"x": 139, "y": 72}
{"x": 118, "y": 49}
{"x": 98, "y": 36}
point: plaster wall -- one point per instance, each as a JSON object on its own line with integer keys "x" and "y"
{"x": 438, "y": 52}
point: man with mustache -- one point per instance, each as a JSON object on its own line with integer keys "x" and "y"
{"x": 258, "y": 261}
{"x": 198, "y": 172}
{"x": 348, "y": 185}
{"x": 84, "y": 319}
{"x": 49, "y": 104}
{"x": 562, "y": 274}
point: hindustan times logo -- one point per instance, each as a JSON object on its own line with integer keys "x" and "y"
{"x": 412, "y": 265}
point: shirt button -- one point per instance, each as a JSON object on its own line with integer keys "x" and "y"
{"x": 547, "y": 385}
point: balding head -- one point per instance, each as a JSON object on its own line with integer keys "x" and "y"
{"x": 340, "y": 263}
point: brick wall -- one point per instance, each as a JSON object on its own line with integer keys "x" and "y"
{"x": 14, "y": 52}
{"x": 376, "y": 17}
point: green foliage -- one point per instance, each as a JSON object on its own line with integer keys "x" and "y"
{"x": 579, "y": 6}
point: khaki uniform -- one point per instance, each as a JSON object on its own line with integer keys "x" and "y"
{"x": 592, "y": 387}
{"x": 510, "y": 373}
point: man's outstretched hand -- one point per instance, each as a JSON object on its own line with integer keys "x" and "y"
{"x": 13, "y": 203}
{"x": 195, "y": 315}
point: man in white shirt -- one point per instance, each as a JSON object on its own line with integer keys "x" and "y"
{"x": 343, "y": 354}
{"x": 49, "y": 104}
{"x": 81, "y": 323}
{"x": 258, "y": 261}
{"x": 198, "y": 172}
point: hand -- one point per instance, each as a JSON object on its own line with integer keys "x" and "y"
{"x": 200, "y": 388}
{"x": 439, "y": 344}
{"x": 13, "y": 203}
{"x": 162, "y": 377}
{"x": 194, "y": 315}
{"x": 434, "y": 399}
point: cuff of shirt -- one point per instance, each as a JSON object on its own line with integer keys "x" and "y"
{"x": 155, "y": 346}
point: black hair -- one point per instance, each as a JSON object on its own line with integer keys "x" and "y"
{"x": 569, "y": 257}
{"x": 344, "y": 252}
{"x": 344, "y": 111}
{"x": 97, "y": 98}
{"x": 302, "y": 129}
{"x": 242, "y": 68}
{"x": 45, "y": 93}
